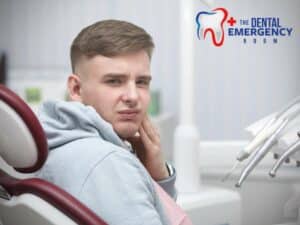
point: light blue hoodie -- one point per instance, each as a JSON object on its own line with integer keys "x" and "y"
{"x": 90, "y": 161}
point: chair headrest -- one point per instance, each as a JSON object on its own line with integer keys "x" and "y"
{"x": 23, "y": 144}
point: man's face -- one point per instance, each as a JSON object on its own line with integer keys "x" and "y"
{"x": 118, "y": 88}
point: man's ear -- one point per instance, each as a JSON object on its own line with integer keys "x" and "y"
{"x": 74, "y": 87}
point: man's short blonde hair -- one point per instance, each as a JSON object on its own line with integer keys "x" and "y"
{"x": 110, "y": 38}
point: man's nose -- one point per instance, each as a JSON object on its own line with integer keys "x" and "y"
{"x": 131, "y": 94}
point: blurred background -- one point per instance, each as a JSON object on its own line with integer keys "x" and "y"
{"x": 236, "y": 84}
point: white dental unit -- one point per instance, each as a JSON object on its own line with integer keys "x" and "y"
{"x": 278, "y": 134}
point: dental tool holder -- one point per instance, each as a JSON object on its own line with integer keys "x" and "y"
{"x": 267, "y": 135}
{"x": 288, "y": 136}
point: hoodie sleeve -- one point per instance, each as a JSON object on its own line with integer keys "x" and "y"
{"x": 121, "y": 192}
{"x": 168, "y": 184}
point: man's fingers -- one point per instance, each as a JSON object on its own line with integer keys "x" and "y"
{"x": 145, "y": 137}
{"x": 150, "y": 130}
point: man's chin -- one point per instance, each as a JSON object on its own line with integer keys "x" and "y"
{"x": 126, "y": 130}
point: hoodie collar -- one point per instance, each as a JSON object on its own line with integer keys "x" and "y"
{"x": 64, "y": 122}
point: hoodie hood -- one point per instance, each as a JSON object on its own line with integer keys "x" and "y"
{"x": 64, "y": 122}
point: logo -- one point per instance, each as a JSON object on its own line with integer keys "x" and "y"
{"x": 219, "y": 26}
{"x": 213, "y": 23}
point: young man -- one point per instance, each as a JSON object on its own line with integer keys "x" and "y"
{"x": 103, "y": 148}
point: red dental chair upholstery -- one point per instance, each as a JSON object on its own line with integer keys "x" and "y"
{"x": 25, "y": 199}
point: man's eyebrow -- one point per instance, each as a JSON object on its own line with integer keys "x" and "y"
{"x": 108, "y": 75}
{"x": 145, "y": 77}
{"x": 120, "y": 75}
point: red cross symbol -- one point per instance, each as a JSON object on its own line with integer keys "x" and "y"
{"x": 231, "y": 21}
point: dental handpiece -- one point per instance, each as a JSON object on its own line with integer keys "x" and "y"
{"x": 244, "y": 154}
{"x": 261, "y": 136}
{"x": 291, "y": 150}
{"x": 261, "y": 152}
{"x": 266, "y": 130}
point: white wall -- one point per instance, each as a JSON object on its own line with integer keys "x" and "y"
{"x": 236, "y": 84}
{"x": 37, "y": 36}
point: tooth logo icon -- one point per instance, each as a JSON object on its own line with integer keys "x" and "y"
{"x": 213, "y": 23}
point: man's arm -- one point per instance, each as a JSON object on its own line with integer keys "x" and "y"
{"x": 120, "y": 191}
{"x": 148, "y": 150}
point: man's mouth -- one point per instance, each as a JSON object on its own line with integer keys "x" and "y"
{"x": 129, "y": 114}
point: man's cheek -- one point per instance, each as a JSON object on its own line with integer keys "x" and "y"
{"x": 147, "y": 103}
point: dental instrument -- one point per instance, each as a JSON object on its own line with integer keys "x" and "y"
{"x": 261, "y": 152}
{"x": 261, "y": 136}
{"x": 265, "y": 132}
{"x": 291, "y": 150}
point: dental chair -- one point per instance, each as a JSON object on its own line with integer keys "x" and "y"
{"x": 25, "y": 199}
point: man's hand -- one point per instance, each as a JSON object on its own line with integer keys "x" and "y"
{"x": 147, "y": 147}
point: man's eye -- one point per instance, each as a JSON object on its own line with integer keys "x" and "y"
{"x": 114, "y": 81}
{"x": 144, "y": 83}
